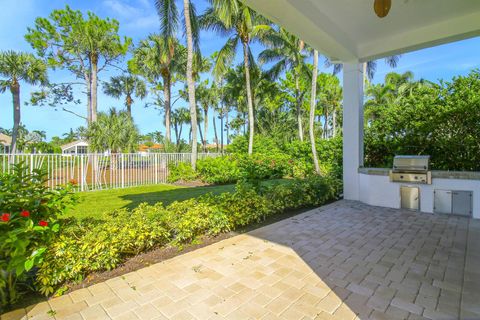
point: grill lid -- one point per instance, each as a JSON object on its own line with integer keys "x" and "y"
{"x": 411, "y": 163}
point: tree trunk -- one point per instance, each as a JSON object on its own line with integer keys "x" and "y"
{"x": 325, "y": 125}
{"x": 251, "y": 123}
{"x": 94, "y": 87}
{"x": 312, "y": 111}
{"x": 215, "y": 131}
{"x": 227, "y": 124}
{"x": 167, "y": 98}
{"x": 177, "y": 136}
{"x": 190, "y": 81}
{"x": 128, "y": 103}
{"x": 299, "y": 108}
{"x": 200, "y": 132}
{"x": 205, "y": 128}
{"x": 15, "y": 89}
{"x": 221, "y": 131}
{"x": 334, "y": 124}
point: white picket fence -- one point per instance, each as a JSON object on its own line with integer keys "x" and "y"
{"x": 98, "y": 171}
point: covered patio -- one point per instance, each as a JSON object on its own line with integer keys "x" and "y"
{"x": 350, "y": 33}
{"x": 343, "y": 261}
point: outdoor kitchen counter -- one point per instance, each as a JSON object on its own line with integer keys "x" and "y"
{"x": 436, "y": 174}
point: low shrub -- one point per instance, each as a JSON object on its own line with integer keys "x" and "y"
{"x": 181, "y": 171}
{"x": 29, "y": 220}
{"x": 219, "y": 170}
{"x": 85, "y": 247}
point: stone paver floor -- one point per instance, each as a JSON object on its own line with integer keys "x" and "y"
{"x": 342, "y": 261}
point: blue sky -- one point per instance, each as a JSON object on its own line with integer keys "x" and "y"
{"x": 138, "y": 19}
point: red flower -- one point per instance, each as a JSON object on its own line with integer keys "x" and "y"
{"x": 5, "y": 217}
{"x": 43, "y": 223}
{"x": 25, "y": 213}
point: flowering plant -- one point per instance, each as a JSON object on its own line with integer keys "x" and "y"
{"x": 28, "y": 221}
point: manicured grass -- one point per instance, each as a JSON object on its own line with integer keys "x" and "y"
{"x": 96, "y": 204}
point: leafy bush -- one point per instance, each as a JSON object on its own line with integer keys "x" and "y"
{"x": 29, "y": 212}
{"x": 89, "y": 246}
{"x": 259, "y": 166}
{"x": 181, "y": 171}
{"x": 219, "y": 170}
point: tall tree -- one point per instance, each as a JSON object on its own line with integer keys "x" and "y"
{"x": 84, "y": 46}
{"x": 287, "y": 52}
{"x": 126, "y": 85}
{"x": 160, "y": 60}
{"x": 169, "y": 21}
{"x": 17, "y": 67}
{"x": 241, "y": 25}
{"x": 313, "y": 103}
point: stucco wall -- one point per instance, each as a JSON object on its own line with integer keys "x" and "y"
{"x": 376, "y": 189}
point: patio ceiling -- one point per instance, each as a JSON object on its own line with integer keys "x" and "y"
{"x": 349, "y": 30}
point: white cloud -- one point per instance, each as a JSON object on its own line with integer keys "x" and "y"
{"x": 135, "y": 14}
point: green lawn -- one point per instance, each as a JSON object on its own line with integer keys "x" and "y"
{"x": 97, "y": 203}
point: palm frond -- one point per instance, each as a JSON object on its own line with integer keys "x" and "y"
{"x": 225, "y": 56}
{"x": 168, "y": 14}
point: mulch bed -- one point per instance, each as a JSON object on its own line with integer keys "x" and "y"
{"x": 155, "y": 256}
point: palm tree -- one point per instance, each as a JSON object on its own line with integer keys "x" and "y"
{"x": 159, "y": 58}
{"x": 180, "y": 117}
{"x": 207, "y": 98}
{"x": 169, "y": 21}
{"x": 313, "y": 103}
{"x": 369, "y": 67}
{"x": 115, "y": 131}
{"x": 16, "y": 67}
{"x": 127, "y": 85}
{"x": 235, "y": 20}
{"x": 286, "y": 50}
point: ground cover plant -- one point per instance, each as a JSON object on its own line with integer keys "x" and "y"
{"x": 89, "y": 245}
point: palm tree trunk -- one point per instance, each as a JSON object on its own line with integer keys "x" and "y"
{"x": 94, "y": 87}
{"x": 334, "y": 123}
{"x": 215, "y": 131}
{"x": 167, "y": 98}
{"x": 221, "y": 131}
{"x": 205, "y": 128}
{"x": 251, "y": 123}
{"x": 190, "y": 81}
{"x": 89, "y": 98}
{"x": 325, "y": 125}
{"x": 177, "y": 136}
{"x": 299, "y": 108}
{"x": 15, "y": 89}
{"x": 227, "y": 125}
{"x": 128, "y": 103}
{"x": 312, "y": 111}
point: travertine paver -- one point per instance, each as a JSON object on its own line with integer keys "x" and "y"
{"x": 342, "y": 261}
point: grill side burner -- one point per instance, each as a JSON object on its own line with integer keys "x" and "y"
{"x": 411, "y": 169}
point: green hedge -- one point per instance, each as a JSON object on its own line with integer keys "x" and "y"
{"x": 85, "y": 247}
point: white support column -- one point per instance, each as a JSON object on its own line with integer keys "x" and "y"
{"x": 352, "y": 128}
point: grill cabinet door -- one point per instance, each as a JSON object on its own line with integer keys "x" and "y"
{"x": 442, "y": 201}
{"x": 409, "y": 198}
{"x": 462, "y": 203}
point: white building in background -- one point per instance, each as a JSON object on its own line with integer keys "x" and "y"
{"x": 75, "y": 147}
{"x": 5, "y": 143}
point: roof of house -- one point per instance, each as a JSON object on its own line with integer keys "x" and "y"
{"x": 5, "y": 140}
{"x": 73, "y": 144}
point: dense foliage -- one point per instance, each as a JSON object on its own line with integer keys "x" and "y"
{"x": 87, "y": 246}
{"x": 418, "y": 117}
{"x": 272, "y": 160}
{"x": 29, "y": 220}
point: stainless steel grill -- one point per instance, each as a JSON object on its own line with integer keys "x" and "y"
{"x": 411, "y": 169}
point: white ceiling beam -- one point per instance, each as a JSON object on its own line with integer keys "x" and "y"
{"x": 456, "y": 29}
{"x": 324, "y": 36}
